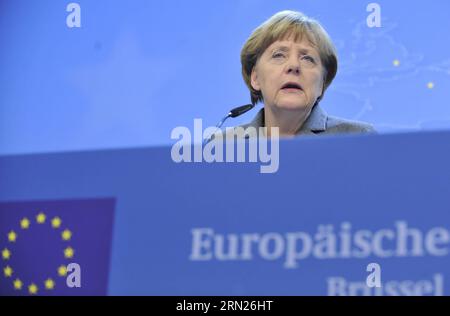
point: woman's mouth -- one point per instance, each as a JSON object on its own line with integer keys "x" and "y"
{"x": 291, "y": 87}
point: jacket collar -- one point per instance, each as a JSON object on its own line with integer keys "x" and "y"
{"x": 316, "y": 121}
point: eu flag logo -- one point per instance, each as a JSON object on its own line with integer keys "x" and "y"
{"x": 40, "y": 242}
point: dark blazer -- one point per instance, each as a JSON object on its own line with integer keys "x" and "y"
{"x": 318, "y": 123}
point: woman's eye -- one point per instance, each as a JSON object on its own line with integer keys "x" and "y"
{"x": 309, "y": 58}
{"x": 278, "y": 55}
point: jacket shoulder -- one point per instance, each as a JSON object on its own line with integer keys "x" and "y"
{"x": 341, "y": 125}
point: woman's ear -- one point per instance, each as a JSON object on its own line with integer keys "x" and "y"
{"x": 254, "y": 80}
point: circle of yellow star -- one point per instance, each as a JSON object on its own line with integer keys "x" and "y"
{"x": 56, "y": 222}
{"x": 6, "y": 254}
{"x": 68, "y": 252}
{"x": 40, "y": 218}
{"x": 62, "y": 270}
{"x": 25, "y": 223}
{"x": 49, "y": 284}
{"x": 12, "y": 236}
{"x": 32, "y": 288}
{"x": 396, "y": 62}
{"x": 8, "y": 271}
{"x": 430, "y": 85}
{"x": 17, "y": 284}
{"x": 66, "y": 235}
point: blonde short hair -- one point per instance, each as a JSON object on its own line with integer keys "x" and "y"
{"x": 279, "y": 27}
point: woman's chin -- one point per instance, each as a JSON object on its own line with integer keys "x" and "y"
{"x": 292, "y": 106}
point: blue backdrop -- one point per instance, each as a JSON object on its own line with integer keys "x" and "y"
{"x": 136, "y": 69}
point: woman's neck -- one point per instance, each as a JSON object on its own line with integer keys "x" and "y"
{"x": 288, "y": 122}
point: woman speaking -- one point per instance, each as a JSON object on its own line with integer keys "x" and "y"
{"x": 288, "y": 62}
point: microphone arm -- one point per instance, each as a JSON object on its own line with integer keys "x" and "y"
{"x": 233, "y": 113}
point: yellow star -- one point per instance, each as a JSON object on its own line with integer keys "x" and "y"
{"x": 17, "y": 284}
{"x": 68, "y": 252}
{"x": 430, "y": 85}
{"x": 8, "y": 271}
{"x": 25, "y": 223}
{"x": 12, "y": 236}
{"x": 396, "y": 62}
{"x": 40, "y": 218}
{"x": 32, "y": 288}
{"x": 56, "y": 222}
{"x": 66, "y": 235}
{"x": 6, "y": 254}
{"x": 49, "y": 284}
{"x": 62, "y": 271}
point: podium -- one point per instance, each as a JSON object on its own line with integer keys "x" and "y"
{"x": 339, "y": 215}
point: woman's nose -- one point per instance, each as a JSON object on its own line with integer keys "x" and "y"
{"x": 293, "y": 67}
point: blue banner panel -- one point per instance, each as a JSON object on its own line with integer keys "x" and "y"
{"x": 350, "y": 215}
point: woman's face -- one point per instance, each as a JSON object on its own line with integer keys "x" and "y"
{"x": 289, "y": 75}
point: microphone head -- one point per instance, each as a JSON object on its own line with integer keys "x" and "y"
{"x": 240, "y": 110}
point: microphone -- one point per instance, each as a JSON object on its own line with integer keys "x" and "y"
{"x": 233, "y": 113}
{"x": 240, "y": 110}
